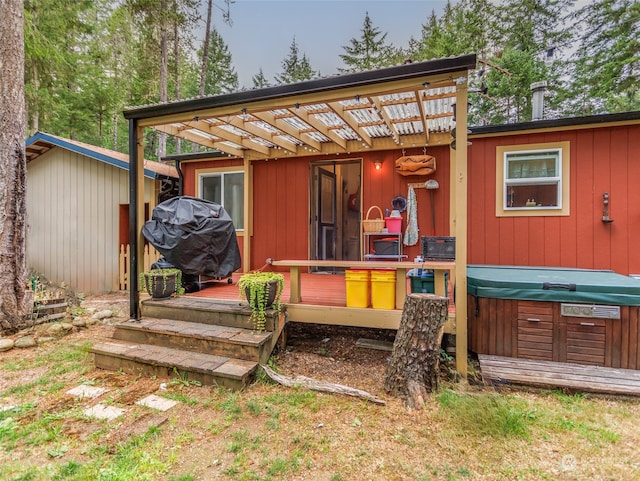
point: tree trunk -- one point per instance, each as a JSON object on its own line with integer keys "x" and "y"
{"x": 205, "y": 59}
{"x": 164, "y": 72}
{"x": 413, "y": 370}
{"x": 12, "y": 168}
{"x": 176, "y": 73}
{"x": 205, "y": 50}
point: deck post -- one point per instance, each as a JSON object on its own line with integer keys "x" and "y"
{"x": 401, "y": 287}
{"x": 458, "y": 222}
{"x": 294, "y": 289}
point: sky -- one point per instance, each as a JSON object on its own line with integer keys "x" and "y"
{"x": 263, "y": 30}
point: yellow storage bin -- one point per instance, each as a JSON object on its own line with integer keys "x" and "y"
{"x": 357, "y": 288}
{"x": 383, "y": 289}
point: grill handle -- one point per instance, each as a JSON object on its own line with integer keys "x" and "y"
{"x": 557, "y": 285}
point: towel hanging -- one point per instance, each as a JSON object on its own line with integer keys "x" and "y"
{"x": 411, "y": 233}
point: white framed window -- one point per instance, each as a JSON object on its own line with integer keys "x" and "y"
{"x": 227, "y": 189}
{"x": 532, "y": 179}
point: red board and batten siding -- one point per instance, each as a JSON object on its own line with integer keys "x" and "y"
{"x": 281, "y": 198}
{"x": 602, "y": 160}
{"x": 280, "y": 210}
{"x": 189, "y": 175}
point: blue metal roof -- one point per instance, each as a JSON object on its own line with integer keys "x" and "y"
{"x": 98, "y": 153}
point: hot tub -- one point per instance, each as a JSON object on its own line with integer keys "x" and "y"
{"x": 555, "y": 314}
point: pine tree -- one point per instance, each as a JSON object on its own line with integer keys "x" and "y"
{"x": 53, "y": 32}
{"x": 464, "y": 28}
{"x": 526, "y": 30}
{"x": 259, "y": 80}
{"x": 607, "y": 61}
{"x": 221, "y": 75}
{"x": 294, "y": 67}
{"x": 370, "y": 51}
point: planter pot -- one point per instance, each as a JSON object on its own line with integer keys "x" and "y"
{"x": 160, "y": 286}
{"x": 271, "y": 297}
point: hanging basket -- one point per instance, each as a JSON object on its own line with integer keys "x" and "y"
{"x": 373, "y": 225}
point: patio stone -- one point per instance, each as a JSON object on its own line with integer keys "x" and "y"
{"x": 157, "y": 402}
{"x": 84, "y": 391}
{"x": 100, "y": 411}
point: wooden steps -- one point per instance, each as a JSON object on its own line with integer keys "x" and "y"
{"x": 506, "y": 370}
{"x": 197, "y": 337}
{"x": 204, "y": 340}
{"x": 151, "y": 360}
{"x": 205, "y": 311}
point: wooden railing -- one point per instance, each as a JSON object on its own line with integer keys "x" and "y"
{"x": 369, "y": 317}
{"x": 150, "y": 256}
{"x": 439, "y": 269}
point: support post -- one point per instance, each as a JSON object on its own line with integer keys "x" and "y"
{"x": 458, "y": 222}
{"x": 136, "y": 212}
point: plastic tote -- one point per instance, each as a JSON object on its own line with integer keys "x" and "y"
{"x": 383, "y": 289}
{"x": 424, "y": 283}
{"x": 357, "y": 288}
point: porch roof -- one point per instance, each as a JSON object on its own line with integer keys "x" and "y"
{"x": 404, "y": 106}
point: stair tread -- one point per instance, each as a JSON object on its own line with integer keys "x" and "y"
{"x": 200, "y": 303}
{"x": 202, "y": 331}
{"x": 186, "y": 360}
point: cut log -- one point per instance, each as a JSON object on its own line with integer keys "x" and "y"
{"x": 412, "y": 372}
{"x": 315, "y": 385}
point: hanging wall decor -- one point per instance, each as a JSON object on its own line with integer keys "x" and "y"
{"x": 415, "y": 165}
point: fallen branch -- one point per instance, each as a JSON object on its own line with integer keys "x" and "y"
{"x": 315, "y": 385}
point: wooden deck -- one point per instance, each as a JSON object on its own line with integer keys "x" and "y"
{"x": 498, "y": 369}
{"x": 324, "y": 289}
{"x": 322, "y": 301}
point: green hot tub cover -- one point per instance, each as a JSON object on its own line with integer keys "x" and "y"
{"x": 553, "y": 284}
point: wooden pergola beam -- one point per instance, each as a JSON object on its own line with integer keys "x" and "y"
{"x": 388, "y": 120}
{"x": 280, "y": 124}
{"x": 213, "y": 144}
{"x": 308, "y": 117}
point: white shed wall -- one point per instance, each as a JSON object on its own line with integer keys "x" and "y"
{"x": 73, "y": 206}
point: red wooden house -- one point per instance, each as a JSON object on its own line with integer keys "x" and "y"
{"x": 302, "y": 165}
{"x": 595, "y": 222}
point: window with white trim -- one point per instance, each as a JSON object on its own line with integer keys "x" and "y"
{"x": 533, "y": 179}
{"x": 226, "y": 189}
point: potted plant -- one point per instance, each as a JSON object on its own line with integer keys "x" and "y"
{"x": 263, "y": 291}
{"x": 162, "y": 283}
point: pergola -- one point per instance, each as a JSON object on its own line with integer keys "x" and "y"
{"x": 405, "y": 106}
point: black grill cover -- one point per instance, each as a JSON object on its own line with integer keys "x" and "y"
{"x": 194, "y": 235}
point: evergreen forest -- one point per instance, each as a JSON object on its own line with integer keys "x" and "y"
{"x": 88, "y": 60}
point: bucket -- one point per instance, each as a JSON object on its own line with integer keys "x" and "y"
{"x": 357, "y": 288}
{"x": 383, "y": 289}
{"x": 393, "y": 224}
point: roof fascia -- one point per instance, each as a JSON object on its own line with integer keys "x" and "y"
{"x": 568, "y": 123}
{"x": 86, "y": 152}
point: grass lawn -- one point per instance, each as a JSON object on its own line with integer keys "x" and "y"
{"x": 270, "y": 432}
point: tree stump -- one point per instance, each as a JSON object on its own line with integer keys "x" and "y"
{"x": 412, "y": 372}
